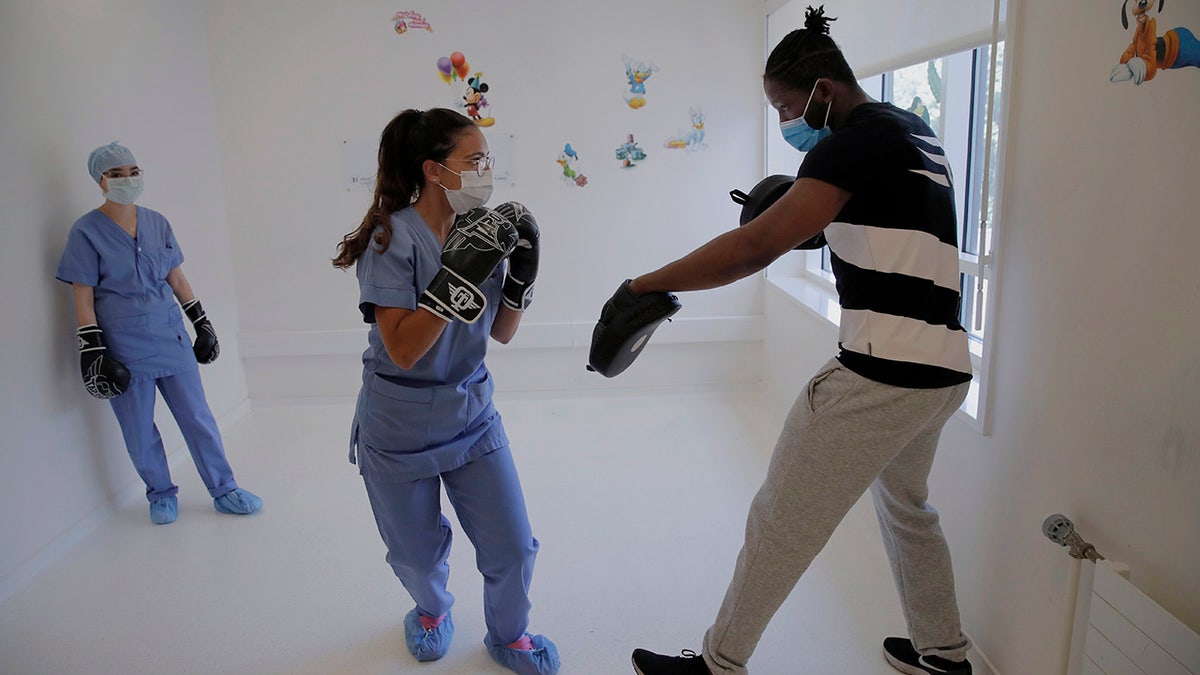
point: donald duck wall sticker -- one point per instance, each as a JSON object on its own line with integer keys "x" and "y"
{"x": 567, "y": 161}
{"x": 636, "y": 74}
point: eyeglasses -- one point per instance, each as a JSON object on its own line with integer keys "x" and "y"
{"x": 482, "y": 164}
{"x": 114, "y": 173}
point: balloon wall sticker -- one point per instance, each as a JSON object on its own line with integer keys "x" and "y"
{"x": 1150, "y": 52}
{"x": 630, "y": 152}
{"x": 454, "y": 68}
{"x": 567, "y": 161}
{"x": 406, "y": 19}
{"x": 692, "y": 139}
{"x": 636, "y": 74}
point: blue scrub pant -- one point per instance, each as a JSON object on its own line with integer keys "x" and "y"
{"x": 486, "y": 495}
{"x": 184, "y": 394}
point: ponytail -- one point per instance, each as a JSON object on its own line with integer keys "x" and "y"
{"x": 407, "y": 141}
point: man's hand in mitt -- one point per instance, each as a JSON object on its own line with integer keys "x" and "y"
{"x": 626, "y": 323}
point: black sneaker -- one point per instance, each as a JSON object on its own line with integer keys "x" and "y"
{"x": 649, "y": 663}
{"x": 902, "y": 656}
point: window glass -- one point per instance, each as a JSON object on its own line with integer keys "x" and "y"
{"x": 918, "y": 89}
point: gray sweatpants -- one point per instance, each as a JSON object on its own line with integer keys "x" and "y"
{"x": 844, "y": 434}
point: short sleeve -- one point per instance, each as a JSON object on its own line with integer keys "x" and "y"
{"x": 387, "y": 279}
{"x": 80, "y": 262}
{"x": 173, "y": 252}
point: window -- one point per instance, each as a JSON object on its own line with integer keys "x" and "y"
{"x": 951, "y": 94}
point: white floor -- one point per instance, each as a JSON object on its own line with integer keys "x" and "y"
{"x": 638, "y": 500}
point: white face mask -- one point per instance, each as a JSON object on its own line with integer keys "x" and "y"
{"x": 475, "y": 190}
{"x": 124, "y": 190}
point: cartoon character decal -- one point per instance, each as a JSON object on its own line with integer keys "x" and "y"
{"x": 405, "y": 20}
{"x": 567, "y": 159}
{"x": 630, "y": 152}
{"x": 454, "y": 68}
{"x": 1149, "y": 52}
{"x": 476, "y": 102}
{"x": 636, "y": 73}
{"x": 692, "y": 139}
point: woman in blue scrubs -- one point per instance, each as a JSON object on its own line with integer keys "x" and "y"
{"x": 123, "y": 263}
{"x": 425, "y": 417}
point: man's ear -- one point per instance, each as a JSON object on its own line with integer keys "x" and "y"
{"x": 825, "y": 90}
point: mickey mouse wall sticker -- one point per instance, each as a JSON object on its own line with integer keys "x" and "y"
{"x": 477, "y": 104}
{"x": 454, "y": 68}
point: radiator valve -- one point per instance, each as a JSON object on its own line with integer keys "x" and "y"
{"x": 1060, "y": 530}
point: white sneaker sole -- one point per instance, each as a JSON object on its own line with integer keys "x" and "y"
{"x": 909, "y": 670}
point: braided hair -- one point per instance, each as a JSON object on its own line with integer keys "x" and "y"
{"x": 407, "y": 141}
{"x": 808, "y": 54}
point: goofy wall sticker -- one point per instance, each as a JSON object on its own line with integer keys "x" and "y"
{"x": 1150, "y": 52}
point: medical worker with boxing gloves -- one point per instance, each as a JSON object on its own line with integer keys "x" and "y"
{"x": 123, "y": 262}
{"x": 439, "y": 275}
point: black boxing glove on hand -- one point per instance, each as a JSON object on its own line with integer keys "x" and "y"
{"x": 523, "y": 262}
{"x": 480, "y": 239}
{"x": 206, "y": 348}
{"x": 626, "y": 323}
{"x": 103, "y": 376}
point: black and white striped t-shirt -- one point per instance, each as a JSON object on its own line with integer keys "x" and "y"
{"x": 894, "y": 249}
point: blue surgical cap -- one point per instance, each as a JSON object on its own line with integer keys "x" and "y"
{"x": 108, "y": 157}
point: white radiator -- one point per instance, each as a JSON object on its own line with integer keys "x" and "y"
{"x": 1116, "y": 629}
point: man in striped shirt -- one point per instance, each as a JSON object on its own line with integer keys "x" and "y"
{"x": 875, "y": 186}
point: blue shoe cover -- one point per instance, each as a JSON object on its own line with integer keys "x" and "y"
{"x": 427, "y": 645}
{"x": 541, "y": 660}
{"x": 165, "y": 510}
{"x": 238, "y": 502}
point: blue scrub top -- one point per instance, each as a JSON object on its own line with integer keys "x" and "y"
{"x": 437, "y": 415}
{"x": 135, "y": 307}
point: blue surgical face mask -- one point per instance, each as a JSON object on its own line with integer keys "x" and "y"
{"x": 124, "y": 190}
{"x": 799, "y": 135}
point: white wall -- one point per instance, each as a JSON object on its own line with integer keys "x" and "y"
{"x": 1097, "y": 368}
{"x": 1097, "y": 375}
{"x": 76, "y": 75}
{"x": 294, "y": 80}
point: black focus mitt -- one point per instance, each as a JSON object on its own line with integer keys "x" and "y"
{"x": 767, "y": 192}
{"x": 626, "y": 323}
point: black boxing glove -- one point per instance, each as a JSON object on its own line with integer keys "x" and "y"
{"x": 480, "y": 239}
{"x": 206, "y": 348}
{"x": 103, "y": 376}
{"x": 767, "y": 192}
{"x": 626, "y": 323}
{"x": 523, "y": 262}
